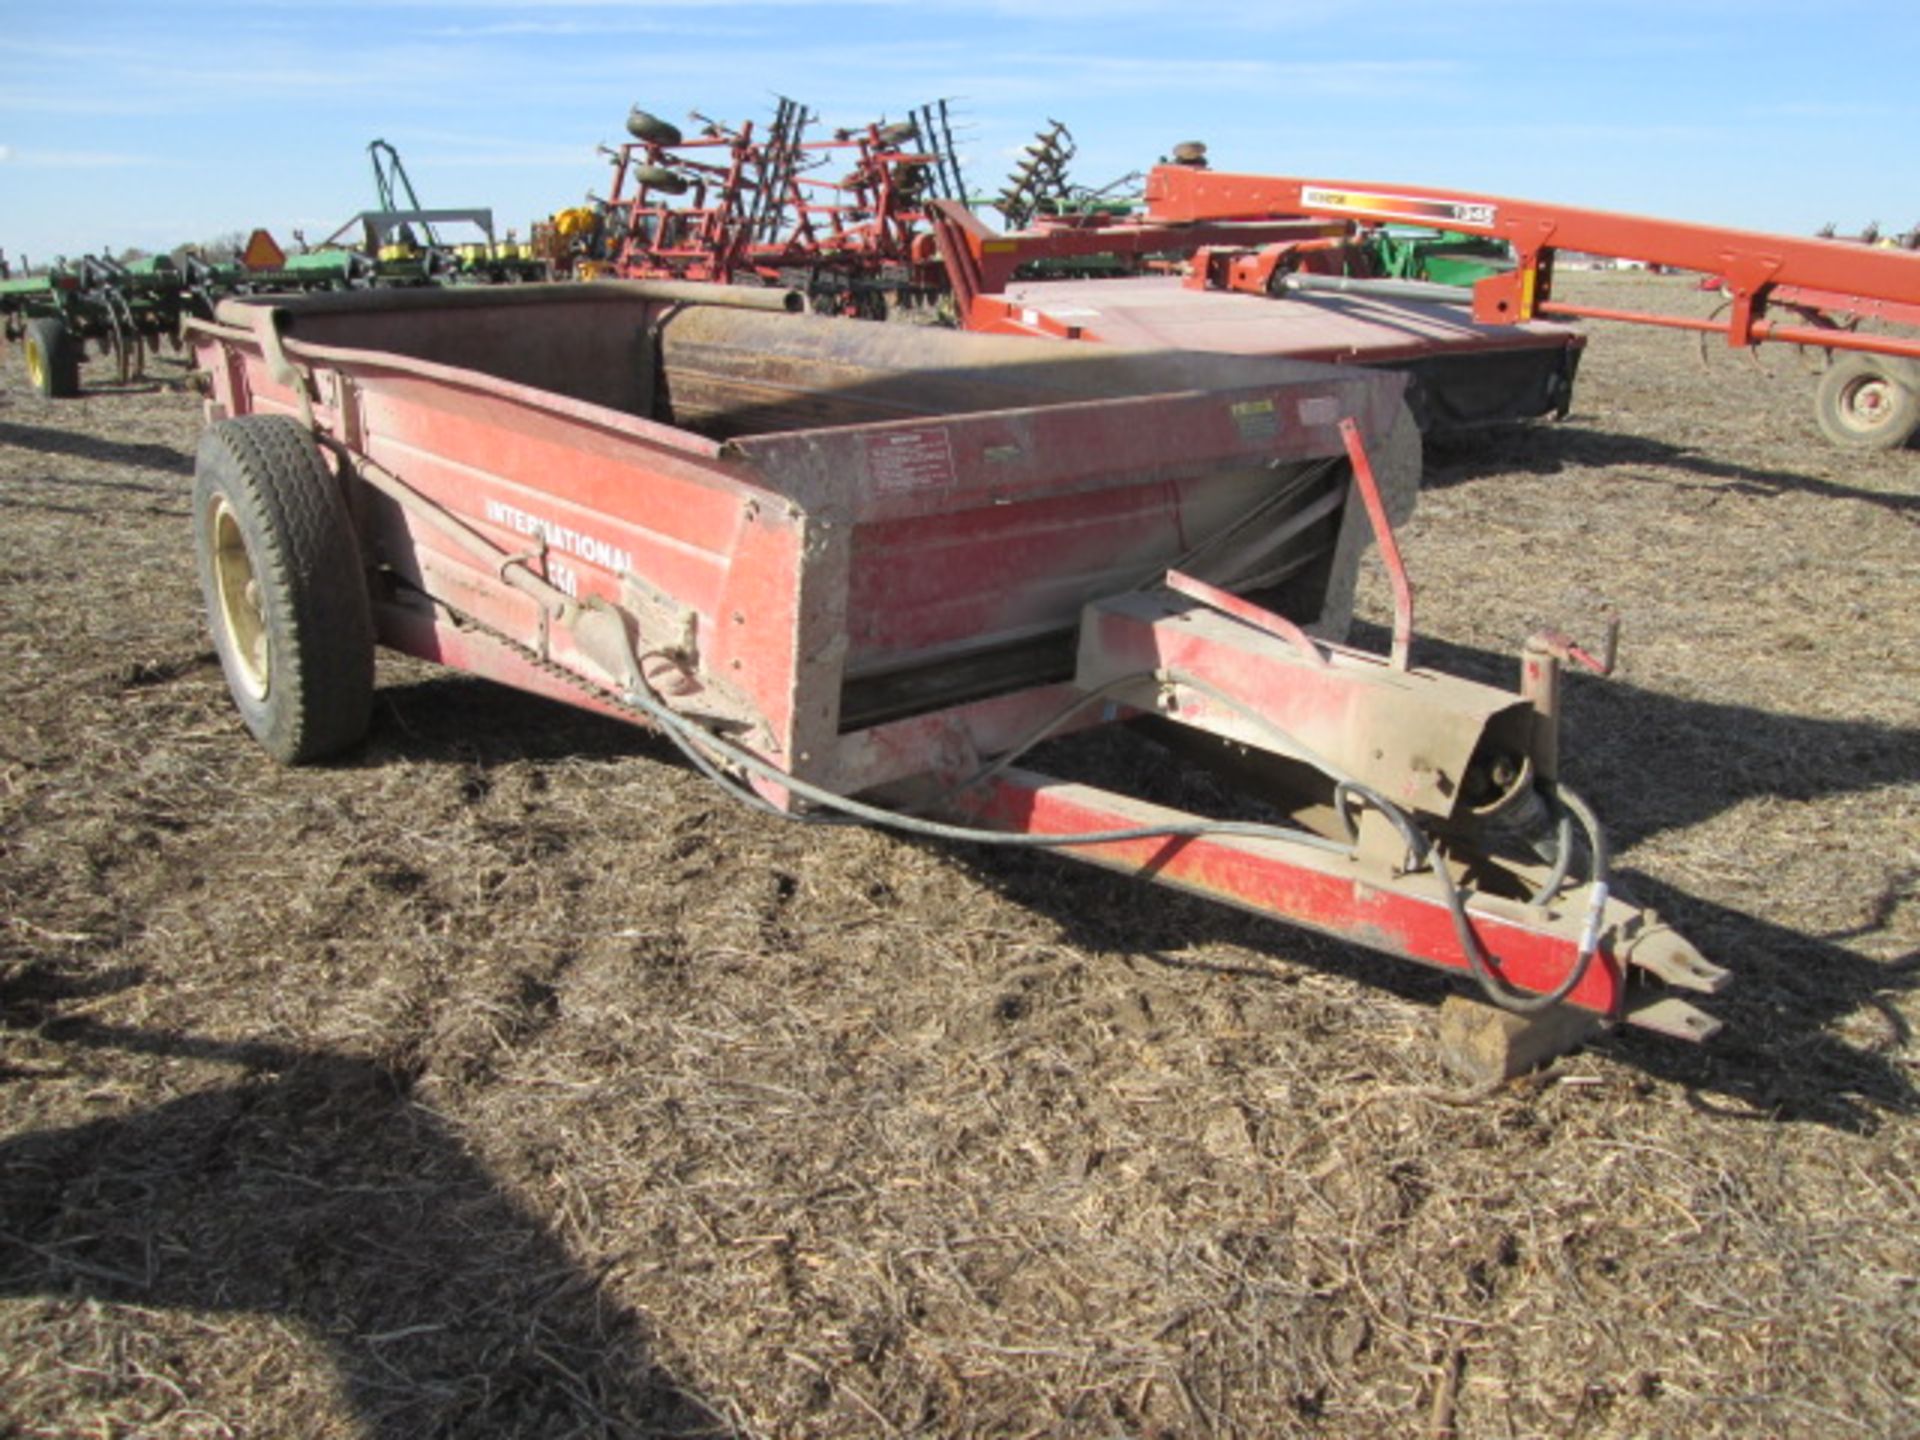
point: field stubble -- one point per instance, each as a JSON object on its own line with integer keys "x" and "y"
{"x": 504, "y": 1080}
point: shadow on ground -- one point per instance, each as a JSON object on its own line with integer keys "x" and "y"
{"x": 45, "y": 440}
{"x": 312, "y": 1188}
{"x": 1650, "y": 763}
{"x": 1550, "y": 449}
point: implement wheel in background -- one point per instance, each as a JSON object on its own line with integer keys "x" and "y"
{"x": 53, "y": 358}
{"x": 658, "y": 177}
{"x": 651, "y": 128}
{"x": 285, "y": 592}
{"x": 1868, "y": 402}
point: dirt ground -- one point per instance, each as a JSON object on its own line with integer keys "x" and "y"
{"x": 503, "y": 1080}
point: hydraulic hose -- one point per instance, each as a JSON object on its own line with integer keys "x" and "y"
{"x": 699, "y": 745}
{"x": 703, "y": 749}
{"x": 1478, "y": 962}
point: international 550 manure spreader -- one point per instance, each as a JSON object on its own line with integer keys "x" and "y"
{"x": 863, "y": 570}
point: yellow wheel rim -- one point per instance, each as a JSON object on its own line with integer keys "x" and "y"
{"x": 36, "y": 366}
{"x": 242, "y": 614}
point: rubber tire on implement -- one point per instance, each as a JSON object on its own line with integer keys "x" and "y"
{"x": 658, "y": 177}
{"x": 285, "y": 591}
{"x": 53, "y": 358}
{"x": 651, "y": 128}
{"x": 1868, "y": 402}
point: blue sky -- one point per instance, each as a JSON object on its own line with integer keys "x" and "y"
{"x": 151, "y": 123}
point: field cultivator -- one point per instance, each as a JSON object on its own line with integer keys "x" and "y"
{"x": 1041, "y": 188}
{"x": 125, "y": 310}
{"x": 835, "y": 218}
{"x": 860, "y": 571}
{"x": 1815, "y": 293}
{"x": 130, "y": 310}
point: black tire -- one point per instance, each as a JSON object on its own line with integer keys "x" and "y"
{"x": 1868, "y": 402}
{"x": 651, "y": 128}
{"x": 658, "y": 177}
{"x": 285, "y": 592}
{"x": 53, "y": 358}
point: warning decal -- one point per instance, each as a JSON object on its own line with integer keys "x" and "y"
{"x": 910, "y": 460}
{"x": 1256, "y": 420}
{"x": 263, "y": 253}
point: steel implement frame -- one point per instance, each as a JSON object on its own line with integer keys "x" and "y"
{"x": 758, "y": 212}
{"x": 1410, "y": 734}
{"x": 980, "y": 261}
{"x": 1404, "y": 915}
{"x": 1758, "y": 268}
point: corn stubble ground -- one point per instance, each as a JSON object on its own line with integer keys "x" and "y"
{"x": 505, "y": 1080}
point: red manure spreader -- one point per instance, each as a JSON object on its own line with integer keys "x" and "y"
{"x": 858, "y": 570}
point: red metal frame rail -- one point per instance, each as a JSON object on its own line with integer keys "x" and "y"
{"x": 981, "y": 262}
{"x": 1757, "y": 268}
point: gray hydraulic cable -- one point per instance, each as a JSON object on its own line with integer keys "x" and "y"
{"x": 699, "y": 745}
{"x": 688, "y": 733}
{"x": 1285, "y": 743}
{"x": 1562, "y": 860}
{"x": 1478, "y": 962}
{"x": 1418, "y": 845}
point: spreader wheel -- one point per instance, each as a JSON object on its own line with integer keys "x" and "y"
{"x": 651, "y": 128}
{"x": 1868, "y": 402}
{"x": 285, "y": 592}
{"x": 53, "y": 358}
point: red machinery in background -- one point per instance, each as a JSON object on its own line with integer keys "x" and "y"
{"x": 1869, "y": 398}
{"x": 1217, "y": 284}
{"x": 733, "y": 207}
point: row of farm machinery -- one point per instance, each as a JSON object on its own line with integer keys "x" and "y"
{"x": 130, "y": 309}
{"x": 1455, "y": 289}
{"x": 869, "y": 221}
{"x": 859, "y": 570}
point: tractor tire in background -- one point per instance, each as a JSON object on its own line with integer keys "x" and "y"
{"x": 285, "y": 591}
{"x": 53, "y": 358}
{"x": 1868, "y": 402}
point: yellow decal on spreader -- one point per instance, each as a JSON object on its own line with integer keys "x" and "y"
{"x": 1255, "y": 419}
{"x": 1417, "y": 209}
